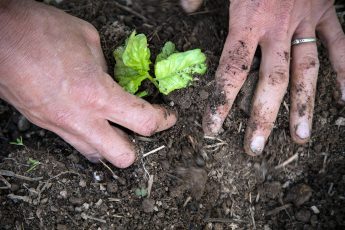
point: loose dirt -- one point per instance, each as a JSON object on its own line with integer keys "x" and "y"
{"x": 198, "y": 183}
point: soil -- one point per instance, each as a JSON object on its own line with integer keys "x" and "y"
{"x": 197, "y": 182}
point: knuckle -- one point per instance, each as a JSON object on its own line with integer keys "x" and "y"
{"x": 61, "y": 118}
{"x": 92, "y": 33}
{"x": 310, "y": 61}
{"x": 148, "y": 127}
{"x": 278, "y": 76}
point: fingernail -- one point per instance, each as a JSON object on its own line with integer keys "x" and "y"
{"x": 303, "y": 130}
{"x": 93, "y": 159}
{"x": 258, "y": 144}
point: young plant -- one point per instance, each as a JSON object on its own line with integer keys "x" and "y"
{"x": 172, "y": 69}
{"x": 18, "y": 141}
{"x": 140, "y": 192}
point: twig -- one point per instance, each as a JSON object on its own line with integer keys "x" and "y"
{"x": 149, "y": 186}
{"x": 5, "y": 182}
{"x": 62, "y": 173}
{"x": 85, "y": 216}
{"x": 239, "y": 127}
{"x": 277, "y": 210}
{"x": 288, "y": 161}
{"x": 22, "y": 198}
{"x": 153, "y": 151}
{"x": 12, "y": 174}
{"x": 187, "y": 201}
{"x": 252, "y": 215}
{"x": 218, "y": 220}
{"x": 129, "y": 10}
{"x": 116, "y": 177}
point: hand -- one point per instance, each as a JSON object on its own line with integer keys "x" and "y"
{"x": 272, "y": 25}
{"x": 53, "y": 71}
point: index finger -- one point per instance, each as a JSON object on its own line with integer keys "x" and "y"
{"x": 232, "y": 72}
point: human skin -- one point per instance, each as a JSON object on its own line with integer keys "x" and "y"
{"x": 272, "y": 25}
{"x": 53, "y": 71}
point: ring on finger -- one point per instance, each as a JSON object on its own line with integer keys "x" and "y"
{"x": 298, "y": 41}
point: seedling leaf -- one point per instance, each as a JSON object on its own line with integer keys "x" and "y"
{"x": 176, "y": 72}
{"x": 132, "y": 63}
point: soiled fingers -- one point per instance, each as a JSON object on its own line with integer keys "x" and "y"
{"x": 271, "y": 88}
{"x": 232, "y": 72}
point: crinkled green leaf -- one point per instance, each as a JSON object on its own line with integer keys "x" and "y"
{"x": 132, "y": 63}
{"x": 175, "y": 72}
{"x": 167, "y": 50}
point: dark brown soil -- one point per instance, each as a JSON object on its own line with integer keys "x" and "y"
{"x": 198, "y": 183}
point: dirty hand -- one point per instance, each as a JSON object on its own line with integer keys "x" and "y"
{"x": 53, "y": 71}
{"x": 273, "y": 25}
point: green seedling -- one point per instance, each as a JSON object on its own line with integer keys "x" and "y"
{"x": 141, "y": 192}
{"x": 172, "y": 69}
{"x": 18, "y": 141}
{"x": 33, "y": 164}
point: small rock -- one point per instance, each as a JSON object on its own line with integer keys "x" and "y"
{"x": 303, "y": 216}
{"x": 63, "y": 194}
{"x": 99, "y": 203}
{"x": 315, "y": 209}
{"x": 199, "y": 161}
{"x": 98, "y": 176}
{"x": 44, "y": 201}
{"x": 112, "y": 187}
{"x": 82, "y": 183}
{"x": 86, "y": 206}
{"x": 299, "y": 194}
{"x": 53, "y": 208}
{"x": 23, "y": 123}
{"x": 76, "y": 200}
{"x": 148, "y": 205}
{"x": 340, "y": 121}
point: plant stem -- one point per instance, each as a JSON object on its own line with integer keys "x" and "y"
{"x": 153, "y": 81}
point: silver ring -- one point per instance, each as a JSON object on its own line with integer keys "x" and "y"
{"x": 302, "y": 40}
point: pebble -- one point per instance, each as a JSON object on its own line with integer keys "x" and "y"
{"x": 303, "y": 216}
{"x": 148, "y": 205}
{"x": 23, "y": 123}
{"x": 315, "y": 209}
{"x": 99, "y": 203}
{"x": 63, "y": 194}
{"x": 44, "y": 201}
{"x": 98, "y": 176}
{"x": 54, "y": 209}
{"x": 82, "y": 183}
{"x": 340, "y": 121}
{"x": 76, "y": 200}
{"x": 199, "y": 161}
{"x": 86, "y": 206}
